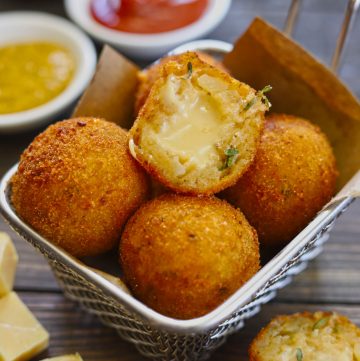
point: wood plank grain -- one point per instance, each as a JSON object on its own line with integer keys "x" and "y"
{"x": 54, "y": 7}
{"x": 334, "y": 275}
{"x": 72, "y": 330}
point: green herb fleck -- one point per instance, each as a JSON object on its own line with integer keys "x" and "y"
{"x": 264, "y": 98}
{"x": 260, "y": 94}
{"x": 299, "y": 354}
{"x": 231, "y": 154}
{"x": 321, "y": 323}
{"x": 266, "y": 89}
{"x": 231, "y": 151}
{"x": 189, "y": 69}
{"x": 250, "y": 104}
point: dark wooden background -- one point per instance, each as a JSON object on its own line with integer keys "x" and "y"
{"x": 331, "y": 282}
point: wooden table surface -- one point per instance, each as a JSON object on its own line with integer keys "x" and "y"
{"x": 331, "y": 282}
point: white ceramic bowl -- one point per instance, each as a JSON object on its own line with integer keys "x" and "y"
{"x": 34, "y": 26}
{"x": 147, "y": 46}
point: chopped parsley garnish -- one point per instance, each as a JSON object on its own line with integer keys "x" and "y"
{"x": 299, "y": 354}
{"x": 231, "y": 154}
{"x": 266, "y": 89}
{"x": 189, "y": 69}
{"x": 250, "y": 104}
{"x": 260, "y": 94}
{"x": 321, "y": 323}
{"x": 264, "y": 98}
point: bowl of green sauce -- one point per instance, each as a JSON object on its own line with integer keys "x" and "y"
{"x": 45, "y": 64}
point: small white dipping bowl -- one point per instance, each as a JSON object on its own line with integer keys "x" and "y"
{"x": 22, "y": 27}
{"x": 147, "y": 46}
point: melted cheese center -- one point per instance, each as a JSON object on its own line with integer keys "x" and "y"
{"x": 193, "y": 129}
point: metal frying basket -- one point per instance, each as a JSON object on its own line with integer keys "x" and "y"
{"x": 160, "y": 337}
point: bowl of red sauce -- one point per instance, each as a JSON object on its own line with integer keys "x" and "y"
{"x": 147, "y": 28}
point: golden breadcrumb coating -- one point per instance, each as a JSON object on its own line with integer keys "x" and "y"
{"x": 148, "y": 76}
{"x": 77, "y": 185}
{"x": 292, "y": 177}
{"x": 199, "y": 128}
{"x": 183, "y": 256}
{"x": 319, "y": 336}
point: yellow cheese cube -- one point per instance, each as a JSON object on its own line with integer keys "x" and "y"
{"x": 75, "y": 357}
{"x": 21, "y": 335}
{"x": 8, "y": 263}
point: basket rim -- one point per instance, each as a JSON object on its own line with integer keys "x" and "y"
{"x": 200, "y": 325}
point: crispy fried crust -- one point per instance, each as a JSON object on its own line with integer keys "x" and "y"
{"x": 183, "y": 256}
{"x": 307, "y": 336}
{"x": 77, "y": 184}
{"x": 292, "y": 178}
{"x": 234, "y": 113}
{"x": 148, "y": 76}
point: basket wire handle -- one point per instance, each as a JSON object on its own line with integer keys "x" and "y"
{"x": 350, "y": 14}
{"x": 292, "y": 17}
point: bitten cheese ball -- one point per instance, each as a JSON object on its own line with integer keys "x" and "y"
{"x": 199, "y": 128}
{"x": 307, "y": 336}
{"x": 183, "y": 256}
{"x": 292, "y": 177}
{"x": 77, "y": 185}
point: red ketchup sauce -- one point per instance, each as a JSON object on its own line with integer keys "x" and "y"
{"x": 147, "y": 16}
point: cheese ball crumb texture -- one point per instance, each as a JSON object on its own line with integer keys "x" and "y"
{"x": 183, "y": 256}
{"x": 77, "y": 185}
{"x": 319, "y": 336}
{"x": 292, "y": 177}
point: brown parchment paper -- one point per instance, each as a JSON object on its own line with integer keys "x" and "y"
{"x": 304, "y": 87}
{"x": 110, "y": 94}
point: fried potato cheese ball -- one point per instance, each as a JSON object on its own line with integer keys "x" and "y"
{"x": 183, "y": 256}
{"x": 307, "y": 336}
{"x": 77, "y": 184}
{"x": 292, "y": 177}
{"x": 199, "y": 128}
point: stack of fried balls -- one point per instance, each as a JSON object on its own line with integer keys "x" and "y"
{"x": 85, "y": 184}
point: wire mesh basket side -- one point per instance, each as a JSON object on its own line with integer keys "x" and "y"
{"x": 149, "y": 341}
{"x": 162, "y": 345}
{"x": 150, "y": 338}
